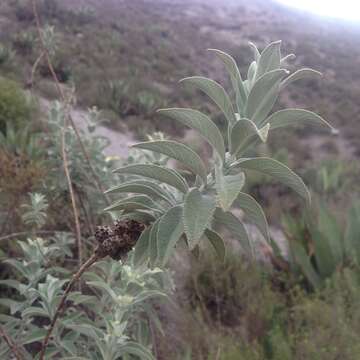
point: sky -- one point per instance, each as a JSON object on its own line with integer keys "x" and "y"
{"x": 345, "y": 9}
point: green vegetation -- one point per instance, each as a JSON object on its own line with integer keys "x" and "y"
{"x": 197, "y": 249}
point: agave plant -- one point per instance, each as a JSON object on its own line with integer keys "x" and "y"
{"x": 190, "y": 206}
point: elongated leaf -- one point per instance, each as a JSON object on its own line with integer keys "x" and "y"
{"x": 141, "y": 187}
{"x": 300, "y": 74}
{"x": 269, "y": 59}
{"x": 198, "y": 212}
{"x": 179, "y": 152}
{"x": 217, "y": 242}
{"x": 137, "y": 202}
{"x": 153, "y": 249}
{"x": 156, "y": 172}
{"x": 235, "y": 77}
{"x": 301, "y": 258}
{"x": 235, "y": 226}
{"x": 216, "y": 92}
{"x": 288, "y": 117}
{"x": 255, "y": 51}
{"x": 254, "y": 213}
{"x": 34, "y": 336}
{"x": 135, "y": 349}
{"x": 278, "y": 171}
{"x": 169, "y": 232}
{"x": 200, "y": 122}
{"x": 263, "y": 95}
{"x": 228, "y": 187}
{"x": 141, "y": 251}
{"x": 242, "y": 132}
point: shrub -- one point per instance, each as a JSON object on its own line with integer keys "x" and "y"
{"x": 14, "y": 106}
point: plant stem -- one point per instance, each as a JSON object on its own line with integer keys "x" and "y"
{"x": 10, "y": 344}
{"x": 93, "y": 259}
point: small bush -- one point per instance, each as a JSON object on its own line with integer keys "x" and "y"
{"x": 14, "y": 107}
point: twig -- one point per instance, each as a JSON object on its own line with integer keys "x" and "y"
{"x": 62, "y": 95}
{"x": 71, "y": 190}
{"x": 12, "y": 346}
{"x": 93, "y": 259}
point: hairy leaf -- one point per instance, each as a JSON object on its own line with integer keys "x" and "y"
{"x": 278, "y": 171}
{"x": 254, "y": 213}
{"x": 216, "y": 92}
{"x": 300, "y": 74}
{"x": 200, "y": 122}
{"x": 156, "y": 172}
{"x": 217, "y": 242}
{"x": 179, "y": 152}
{"x": 269, "y": 59}
{"x": 169, "y": 232}
{"x": 198, "y": 212}
{"x": 141, "y": 251}
{"x": 228, "y": 187}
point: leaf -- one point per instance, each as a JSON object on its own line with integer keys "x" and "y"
{"x": 216, "y": 92}
{"x": 254, "y": 213}
{"x": 156, "y": 172}
{"x": 242, "y": 132}
{"x": 179, "y": 152}
{"x": 302, "y": 259}
{"x": 234, "y": 225}
{"x": 136, "y": 349}
{"x": 300, "y": 74}
{"x": 141, "y": 187}
{"x": 197, "y": 215}
{"x": 153, "y": 248}
{"x": 288, "y": 117}
{"x": 263, "y": 95}
{"x": 137, "y": 202}
{"x": 228, "y": 187}
{"x": 200, "y": 122}
{"x": 34, "y": 336}
{"x": 235, "y": 77}
{"x": 217, "y": 242}
{"x": 141, "y": 251}
{"x": 269, "y": 59}
{"x": 255, "y": 51}
{"x": 278, "y": 171}
{"x": 169, "y": 232}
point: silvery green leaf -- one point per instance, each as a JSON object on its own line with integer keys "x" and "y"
{"x": 138, "y": 215}
{"x": 216, "y": 92}
{"x": 300, "y": 74}
{"x": 217, "y": 242}
{"x": 352, "y": 233}
{"x": 135, "y": 349}
{"x": 228, "y": 187}
{"x": 255, "y": 51}
{"x": 153, "y": 248}
{"x": 288, "y": 117}
{"x": 179, "y": 152}
{"x": 142, "y": 187}
{"x": 34, "y": 336}
{"x": 269, "y": 59}
{"x": 104, "y": 287}
{"x": 263, "y": 95}
{"x": 200, "y": 122}
{"x": 242, "y": 132}
{"x": 235, "y": 226}
{"x": 287, "y": 58}
{"x": 169, "y": 232}
{"x": 197, "y": 215}
{"x": 156, "y": 172}
{"x": 137, "y": 202}
{"x": 235, "y": 77}
{"x": 254, "y": 213}
{"x": 278, "y": 171}
{"x": 251, "y": 77}
{"x": 141, "y": 251}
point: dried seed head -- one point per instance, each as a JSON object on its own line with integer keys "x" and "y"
{"x": 118, "y": 240}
